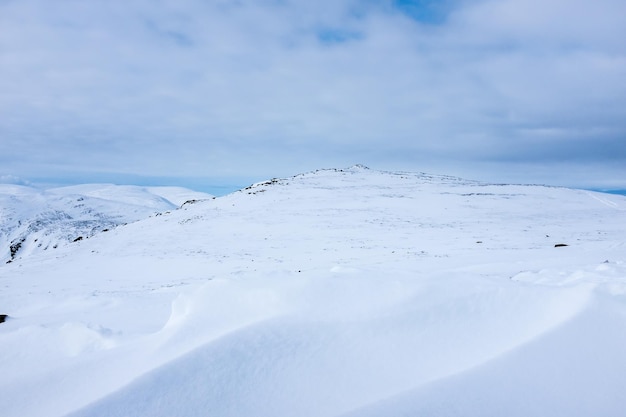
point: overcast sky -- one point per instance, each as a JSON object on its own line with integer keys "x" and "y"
{"x": 194, "y": 92}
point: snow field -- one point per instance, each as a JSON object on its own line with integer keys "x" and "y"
{"x": 339, "y": 292}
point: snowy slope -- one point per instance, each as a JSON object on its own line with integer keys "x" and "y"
{"x": 33, "y": 220}
{"x": 333, "y": 293}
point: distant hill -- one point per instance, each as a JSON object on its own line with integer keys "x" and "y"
{"x": 33, "y": 220}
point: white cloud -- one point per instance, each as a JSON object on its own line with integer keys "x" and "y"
{"x": 12, "y": 179}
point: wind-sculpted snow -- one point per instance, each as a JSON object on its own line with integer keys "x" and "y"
{"x": 32, "y": 221}
{"x": 333, "y": 293}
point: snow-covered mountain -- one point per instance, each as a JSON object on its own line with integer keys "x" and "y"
{"x": 333, "y": 293}
{"x": 33, "y": 220}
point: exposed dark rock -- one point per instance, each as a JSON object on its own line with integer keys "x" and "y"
{"x": 77, "y": 239}
{"x": 560, "y": 245}
{"x": 15, "y": 247}
{"x": 192, "y": 201}
{"x": 3, "y": 318}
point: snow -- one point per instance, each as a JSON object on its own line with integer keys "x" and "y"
{"x": 333, "y": 293}
{"x": 33, "y": 220}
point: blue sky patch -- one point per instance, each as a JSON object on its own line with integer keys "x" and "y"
{"x": 424, "y": 11}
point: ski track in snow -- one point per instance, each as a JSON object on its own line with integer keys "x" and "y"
{"x": 333, "y": 293}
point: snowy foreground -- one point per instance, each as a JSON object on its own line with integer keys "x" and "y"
{"x": 334, "y": 293}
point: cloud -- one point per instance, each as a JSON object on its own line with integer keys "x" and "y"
{"x": 266, "y": 87}
{"x": 12, "y": 179}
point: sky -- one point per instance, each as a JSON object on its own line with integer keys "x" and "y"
{"x": 229, "y": 92}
